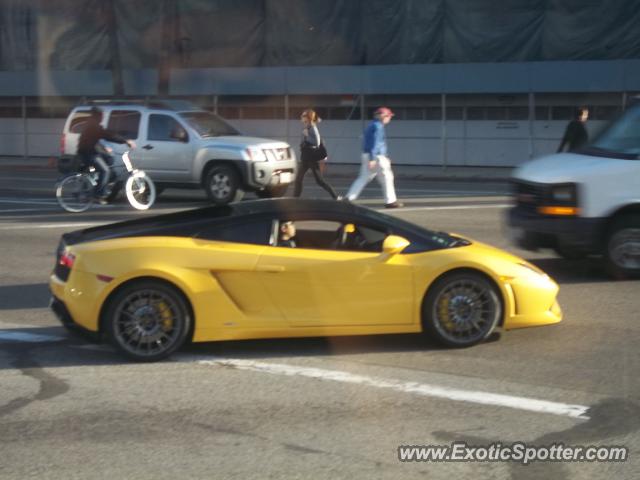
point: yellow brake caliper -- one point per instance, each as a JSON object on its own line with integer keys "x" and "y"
{"x": 443, "y": 313}
{"x": 165, "y": 315}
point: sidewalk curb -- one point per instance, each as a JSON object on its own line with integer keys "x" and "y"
{"x": 336, "y": 171}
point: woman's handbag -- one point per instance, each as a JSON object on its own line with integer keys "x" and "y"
{"x": 319, "y": 153}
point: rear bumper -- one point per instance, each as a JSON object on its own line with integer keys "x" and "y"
{"x": 62, "y": 313}
{"x": 58, "y": 307}
{"x": 532, "y": 231}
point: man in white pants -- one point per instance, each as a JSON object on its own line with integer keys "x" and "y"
{"x": 375, "y": 162}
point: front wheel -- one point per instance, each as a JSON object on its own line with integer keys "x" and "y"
{"x": 147, "y": 320}
{"x": 461, "y": 309}
{"x": 75, "y": 193}
{"x": 622, "y": 252}
{"x": 140, "y": 191}
{"x": 222, "y": 184}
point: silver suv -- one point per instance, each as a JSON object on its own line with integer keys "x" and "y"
{"x": 180, "y": 145}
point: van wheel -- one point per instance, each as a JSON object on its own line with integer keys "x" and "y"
{"x": 622, "y": 249}
{"x": 222, "y": 184}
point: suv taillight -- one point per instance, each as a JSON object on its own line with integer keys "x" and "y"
{"x": 63, "y": 140}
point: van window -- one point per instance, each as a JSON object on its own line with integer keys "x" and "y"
{"x": 125, "y": 123}
{"x": 78, "y": 121}
{"x": 623, "y": 135}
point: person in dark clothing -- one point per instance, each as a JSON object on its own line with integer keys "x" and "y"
{"x": 92, "y": 133}
{"x": 308, "y": 150}
{"x": 575, "y": 136}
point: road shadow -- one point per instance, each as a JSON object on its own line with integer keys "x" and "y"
{"x": 18, "y": 297}
{"x": 49, "y": 347}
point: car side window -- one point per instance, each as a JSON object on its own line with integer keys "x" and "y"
{"x": 79, "y": 121}
{"x": 257, "y": 232}
{"x": 332, "y": 235}
{"x": 125, "y": 123}
{"x": 163, "y": 128}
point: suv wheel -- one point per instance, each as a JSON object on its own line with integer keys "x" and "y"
{"x": 622, "y": 250}
{"x": 222, "y": 184}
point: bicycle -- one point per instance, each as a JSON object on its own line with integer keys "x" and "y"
{"x": 77, "y": 191}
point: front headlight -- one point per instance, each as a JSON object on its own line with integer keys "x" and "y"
{"x": 560, "y": 200}
{"x": 564, "y": 194}
{"x": 256, "y": 154}
{"x": 533, "y": 268}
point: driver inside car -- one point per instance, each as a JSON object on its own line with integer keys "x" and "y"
{"x": 287, "y": 234}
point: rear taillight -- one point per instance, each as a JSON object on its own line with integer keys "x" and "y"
{"x": 63, "y": 140}
{"x": 67, "y": 259}
{"x": 64, "y": 265}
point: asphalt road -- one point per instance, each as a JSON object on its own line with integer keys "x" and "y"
{"x": 309, "y": 408}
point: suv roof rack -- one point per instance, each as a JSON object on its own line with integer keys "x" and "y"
{"x": 167, "y": 104}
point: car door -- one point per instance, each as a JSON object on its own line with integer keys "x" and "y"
{"x": 319, "y": 285}
{"x": 230, "y": 252}
{"x": 167, "y": 154}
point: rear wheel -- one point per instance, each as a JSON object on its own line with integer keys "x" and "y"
{"x": 140, "y": 191}
{"x": 461, "y": 309}
{"x": 622, "y": 254}
{"x": 75, "y": 193}
{"x": 147, "y": 320}
{"x": 222, "y": 184}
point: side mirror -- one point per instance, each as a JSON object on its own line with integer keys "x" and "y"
{"x": 394, "y": 244}
{"x": 179, "y": 134}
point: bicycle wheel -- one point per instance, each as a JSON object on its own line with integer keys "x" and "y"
{"x": 140, "y": 190}
{"x": 75, "y": 193}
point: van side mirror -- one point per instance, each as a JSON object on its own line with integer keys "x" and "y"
{"x": 394, "y": 244}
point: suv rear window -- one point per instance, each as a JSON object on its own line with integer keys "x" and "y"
{"x": 78, "y": 121}
{"x": 125, "y": 123}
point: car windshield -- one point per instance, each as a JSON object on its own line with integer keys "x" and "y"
{"x": 208, "y": 124}
{"x": 623, "y": 135}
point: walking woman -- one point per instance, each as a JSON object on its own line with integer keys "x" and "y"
{"x": 312, "y": 154}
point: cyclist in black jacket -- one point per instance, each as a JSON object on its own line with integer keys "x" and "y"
{"x": 92, "y": 133}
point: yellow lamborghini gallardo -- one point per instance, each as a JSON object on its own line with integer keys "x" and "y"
{"x": 288, "y": 268}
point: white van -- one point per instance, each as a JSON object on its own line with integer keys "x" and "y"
{"x": 586, "y": 202}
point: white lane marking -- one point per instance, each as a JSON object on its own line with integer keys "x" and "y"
{"x": 50, "y": 209}
{"x": 50, "y": 225}
{"x": 30, "y": 179}
{"x": 421, "y": 389}
{"x": 448, "y": 207}
{"x": 29, "y": 202}
{"x": 7, "y": 335}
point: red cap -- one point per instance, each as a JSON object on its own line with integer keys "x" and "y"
{"x": 384, "y": 112}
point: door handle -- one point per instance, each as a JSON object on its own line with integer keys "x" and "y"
{"x": 148, "y": 147}
{"x": 270, "y": 268}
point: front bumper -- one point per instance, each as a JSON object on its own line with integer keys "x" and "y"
{"x": 272, "y": 173}
{"x": 531, "y": 231}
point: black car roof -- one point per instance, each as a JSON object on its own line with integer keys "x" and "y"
{"x": 175, "y": 223}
